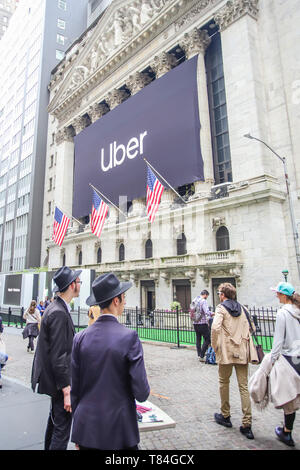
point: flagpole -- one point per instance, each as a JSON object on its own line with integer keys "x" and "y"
{"x": 165, "y": 181}
{"x": 102, "y": 195}
{"x": 80, "y": 223}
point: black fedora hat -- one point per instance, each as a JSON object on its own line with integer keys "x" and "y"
{"x": 64, "y": 277}
{"x": 106, "y": 287}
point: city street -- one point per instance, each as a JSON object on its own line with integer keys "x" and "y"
{"x": 181, "y": 386}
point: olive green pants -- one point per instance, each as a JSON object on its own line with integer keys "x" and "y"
{"x": 241, "y": 370}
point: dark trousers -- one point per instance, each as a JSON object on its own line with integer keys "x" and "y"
{"x": 289, "y": 421}
{"x": 59, "y": 425}
{"x": 125, "y": 448}
{"x": 30, "y": 343}
{"x": 202, "y": 331}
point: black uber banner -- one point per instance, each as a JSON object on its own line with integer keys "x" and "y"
{"x": 159, "y": 123}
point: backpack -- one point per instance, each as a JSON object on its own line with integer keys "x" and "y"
{"x": 210, "y": 356}
{"x": 195, "y": 310}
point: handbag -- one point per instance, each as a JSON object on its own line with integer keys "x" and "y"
{"x": 259, "y": 350}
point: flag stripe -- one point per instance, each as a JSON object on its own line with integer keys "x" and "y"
{"x": 60, "y": 226}
{"x": 154, "y": 193}
{"x": 99, "y": 213}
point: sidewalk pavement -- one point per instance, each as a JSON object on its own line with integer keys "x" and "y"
{"x": 185, "y": 389}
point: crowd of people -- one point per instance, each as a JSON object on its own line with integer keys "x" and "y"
{"x": 94, "y": 377}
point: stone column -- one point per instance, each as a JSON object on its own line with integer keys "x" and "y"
{"x": 245, "y": 94}
{"x": 63, "y": 194}
{"x": 139, "y": 208}
{"x": 137, "y": 81}
{"x": 196, "y": 43}
{"x": 80, "y": 123}
{"x": 167, "y": 198}
{"x": 115, "y": 98}
{"x": 162, "y": 64}
{"x": 96, "y": 111}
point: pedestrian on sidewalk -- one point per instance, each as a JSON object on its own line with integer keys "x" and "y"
{"x": 286, "y": 342}
{"x": 33, "y": 321}
{"x": 41, "y": 308}
{"x": 233, "y": 345}
{"x": 108, "y": 374}
{"x": 3, "y": 355}
{"x": 47, "y": 302}
{"x": 51, "y": 368}
{"x": 201, "y": 315}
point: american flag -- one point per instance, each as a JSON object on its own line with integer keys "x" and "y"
{"x": 61, "y": 222}
{"x": 99, "y": 212}
{"x": 154, "y": 192}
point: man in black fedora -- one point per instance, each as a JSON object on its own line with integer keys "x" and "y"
{"x": 108, "y": 374}
{"x": 51, "y": 369}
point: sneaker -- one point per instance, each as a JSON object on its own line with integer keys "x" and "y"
{"x": 219, "y": 418}
{"x": 247, "y": 431}
{"x": 201, "y": 359}
{"x": 285, "y": 437}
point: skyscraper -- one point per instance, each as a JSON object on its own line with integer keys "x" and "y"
{"x": 38, "y": 35}
{"x": 7, "y": 8}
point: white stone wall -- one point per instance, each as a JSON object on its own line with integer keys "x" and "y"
{"x": 262, "y": 77}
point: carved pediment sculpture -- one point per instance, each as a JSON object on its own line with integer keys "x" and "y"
{"x": 121, "y": 22}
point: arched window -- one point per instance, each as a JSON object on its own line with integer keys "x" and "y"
{"x": 148, "y": 249}
{"x": 121, "y": 252}
{"x": 99, "y": 255}
{"x": 80, "y": 258}
{"x": 181, "y": 244}
{"x": 222, "y": 239}
{"x": 64, "y": 259}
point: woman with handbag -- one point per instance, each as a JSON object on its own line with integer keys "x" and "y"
{"x": 33, "y": 321}
{"x": 286, "y": 343}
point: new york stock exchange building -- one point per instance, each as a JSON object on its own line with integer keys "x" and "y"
{"x": 180, "y": 84}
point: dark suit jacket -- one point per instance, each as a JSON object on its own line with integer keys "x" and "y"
{"x": 108, "y": 373}
{"x": 51, "y": 368}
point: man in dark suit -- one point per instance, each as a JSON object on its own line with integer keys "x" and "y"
{"x": 51, "y": 368}
{"x": 108, "y": 374}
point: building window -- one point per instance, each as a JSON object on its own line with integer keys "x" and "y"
{"x": 218, "y": 112}
{"x": 95, "y": 4}
{"x": 99, "y": 255}
{"x": 64, "y": 260}
{"x": 61, "y": 24}
{"x": 59, "y": 54}
{"x": 60, "y": 39}
{"x": 62, "y": 5}
{"x": 80, "y": 258}
{"x": 148, "y": 249}
{"x": 222, "y": 239}
{"x": 181, "y": 244}
{"x": 121, "y": 252}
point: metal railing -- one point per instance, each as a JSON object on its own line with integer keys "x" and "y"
{"x": 165, "y": 326}
{"x": 12, "y": 316}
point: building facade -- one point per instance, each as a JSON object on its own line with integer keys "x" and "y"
{"x": 39, "y": 33}
{"x": 7, "y": 8}
{"x": 235, "y": 224}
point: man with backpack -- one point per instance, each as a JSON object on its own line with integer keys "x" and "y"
{"x": 200, "y": 316}
{"x": 232, "y": 342}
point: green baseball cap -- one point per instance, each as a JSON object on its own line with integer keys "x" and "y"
{"x": 284, "y": 288}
